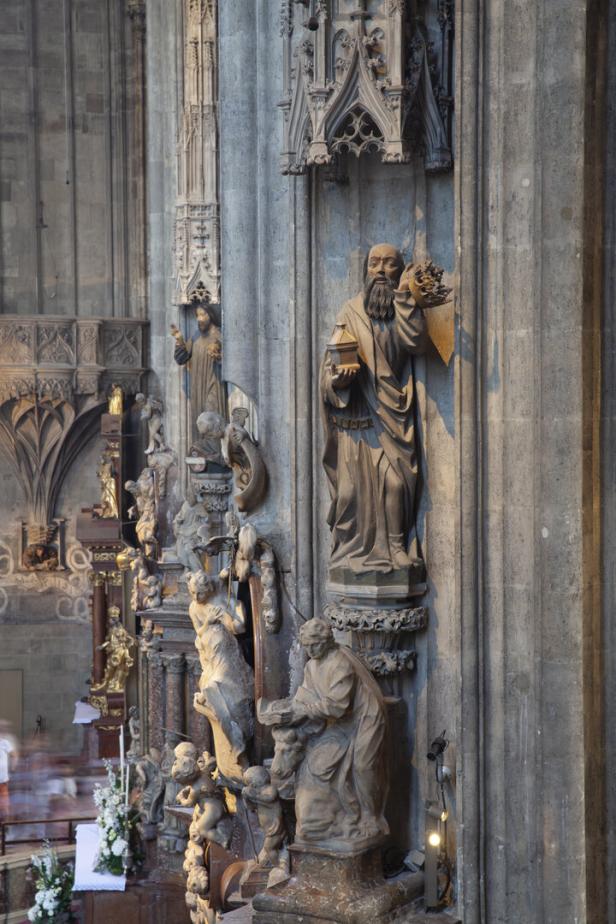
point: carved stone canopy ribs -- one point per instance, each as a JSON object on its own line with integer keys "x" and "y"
{"x": 363, "y": 77}
{"x": 54, "y": 376}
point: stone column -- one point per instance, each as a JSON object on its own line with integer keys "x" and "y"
{"x": 155, "y": 700}
{"x": 198, "y": 726}
{"x": 528, "y": 785}
{"x": 174, "y": 698}
{"x": 99, "y": 626}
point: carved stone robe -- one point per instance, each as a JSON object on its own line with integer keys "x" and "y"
{"x": 206, "y": 389}
{"x": 370, "y": 447}
{"x": 341, "y": 784}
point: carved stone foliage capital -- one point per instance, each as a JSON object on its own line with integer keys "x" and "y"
{"x": 359, "y": 84}
{"x": 344, "y": 618}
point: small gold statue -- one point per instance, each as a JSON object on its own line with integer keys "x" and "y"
{"x": 109, "y": 487}
{"x": 118, "y": 646}
{"x": 116, "y": 401}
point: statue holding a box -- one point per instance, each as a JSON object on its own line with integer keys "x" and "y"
{"x": 368, "y": 409}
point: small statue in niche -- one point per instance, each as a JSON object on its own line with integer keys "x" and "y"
{"x": 368, "y": 406}
{"x": 146, "y": 593}
{"x": 144, "y": 509}
{"x": 116, "y": 401}
{"x": 117, "y": 645}
{"x": 240, "y": 453}
{"x": 338, "y": 715}
{"x": 39, "y": 556}
{"x": 151, "y": 411}
{"x": 134, "y": 730}
{"x": 172, "y": 834}
{"x": 226, "y": 684}
{"x": 262, "y": 793}
{"x": 152, "y": 792}
{"x": 203, "y": 355}
{"x": 150, "y": 635}
{"x": 109, "y": 487}
{"x": 188, "y": 525}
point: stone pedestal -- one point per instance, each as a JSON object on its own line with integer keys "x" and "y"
{"x": 346, "y": 888}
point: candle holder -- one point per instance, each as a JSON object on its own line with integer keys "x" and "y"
{"x": 128, "y": 863}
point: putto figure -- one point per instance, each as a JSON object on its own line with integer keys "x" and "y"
{"x": 152, "y": 412}
{"x": 336, "y": 722}
{"x": 368, "y": 404}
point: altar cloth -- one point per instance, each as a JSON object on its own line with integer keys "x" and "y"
{"x": 86, "y": 880}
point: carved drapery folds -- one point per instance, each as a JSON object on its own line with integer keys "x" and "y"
{"x": 54, "y": 376}
{"x": 197, "y": 204}
{"x": 363, "y": 78}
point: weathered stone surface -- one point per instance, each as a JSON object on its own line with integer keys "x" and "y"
{"x": 327, "y": 886}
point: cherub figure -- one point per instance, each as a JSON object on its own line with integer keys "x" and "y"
{"x": 151, "y": 411}
{"x": 146, "y": 593}
{"x": 261, "y": 792}
{"x": 194, "y": 772}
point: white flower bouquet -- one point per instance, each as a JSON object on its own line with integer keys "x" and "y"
{"x": 115, "y": 821}
{"x": 54, "y": 885}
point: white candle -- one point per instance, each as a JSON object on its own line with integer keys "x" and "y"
{"x": 121, "y": 757}
{"x": 127, "y": 785}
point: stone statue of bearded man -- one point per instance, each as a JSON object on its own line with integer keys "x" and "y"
{"x": 368, "y": 410}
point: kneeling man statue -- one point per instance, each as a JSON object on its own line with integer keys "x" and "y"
{"x": 336, "y": 724}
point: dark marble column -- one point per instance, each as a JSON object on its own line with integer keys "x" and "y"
{"x": 156, "y": 736}
{"x": 174, "y": 697}
{"x": 198, "y": 726}
{"x": 99, "y": 626}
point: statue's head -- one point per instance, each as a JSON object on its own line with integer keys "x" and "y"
{"x": 317, "y": 637}
{"x": 211, "y": 425}
{"x": 200, "y": 586}
{"x": 184, "y": 767}
{"x": 203, "y": 319}
{"x": 256, "y": 776}
{"x": 384, "y": 267}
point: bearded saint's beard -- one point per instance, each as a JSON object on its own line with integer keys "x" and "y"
{"x": 379, "y": 299}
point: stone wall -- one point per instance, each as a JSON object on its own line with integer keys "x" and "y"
{"x": 68, "y": 178}
{"x": 292, "y": 253}
{"x": 73, "y": 226}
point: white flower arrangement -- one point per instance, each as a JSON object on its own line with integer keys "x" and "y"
{"x": 54, "y": 885}
{"x": 114, "y": 823}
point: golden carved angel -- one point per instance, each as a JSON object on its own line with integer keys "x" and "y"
{"x": 118, "y": 646}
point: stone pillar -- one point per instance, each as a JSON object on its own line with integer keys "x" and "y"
{"x": 529, "y": 735}
{"x": 198, "y": 726}
{"x": 174, "y": 698}
{"x": 155, "y": 700}
{"x": 99, "y": 626}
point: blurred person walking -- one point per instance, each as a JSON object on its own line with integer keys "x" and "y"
{"x": 8, "y": 757}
